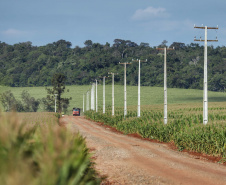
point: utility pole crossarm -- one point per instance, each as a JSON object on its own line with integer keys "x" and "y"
{"x": 110, "y": 73}
{"x": 201, "y": 40}
{"x": 164, "y": 48}
{"x": 203, "y": 27}
{"x": 160, "y": 48}
{"x": 125, "y": 63}
{"x": 137, "y": 60}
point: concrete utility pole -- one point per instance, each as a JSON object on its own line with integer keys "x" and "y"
{"x": 165, "y": 83}
{"x": 83, "y": 107}
{"x": 205, "y": 88}
{"x": 92, "y": 97}
{"x": 125, "y": 103}
{"x": 55, "y": 101}
{"x": 113, "y": 92}
{"x": 87, "y": 100}
{"x": 138, "y": 105}
{"x": 104, "y": 94}
{"x": 96, "y": 98}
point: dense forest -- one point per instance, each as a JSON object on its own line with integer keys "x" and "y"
{"x": 22, "y": 64}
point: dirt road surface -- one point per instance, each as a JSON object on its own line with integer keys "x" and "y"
{"x": 128, "y": 160}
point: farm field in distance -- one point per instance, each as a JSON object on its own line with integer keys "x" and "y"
{"x": 185, "y": 114}
{"x": 149, "y": 96}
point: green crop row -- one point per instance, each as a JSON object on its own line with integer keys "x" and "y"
{"x": 185, "y": 130}
{"x": 37, "y": 151}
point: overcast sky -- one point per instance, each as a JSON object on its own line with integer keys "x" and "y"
{"x": 150, "y": 21}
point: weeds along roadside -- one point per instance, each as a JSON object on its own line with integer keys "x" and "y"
{"x": 185, "y": 130}
{"x": 35, "y": 150}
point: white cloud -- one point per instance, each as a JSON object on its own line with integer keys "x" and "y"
{"x": 149, "y": 13}
{"x": 14, "y": 32}
{"x": 168, "y": 25}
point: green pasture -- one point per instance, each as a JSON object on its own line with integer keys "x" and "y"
{"x": 149, "y": 95}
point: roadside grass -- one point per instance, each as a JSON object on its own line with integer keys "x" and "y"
{"x": 149, "y": 95}
{"x": 34, "y": 149}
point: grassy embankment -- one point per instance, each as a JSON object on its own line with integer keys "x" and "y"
{"x": 35, "y": 150}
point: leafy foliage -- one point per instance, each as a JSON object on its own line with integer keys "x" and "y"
{"x": 25, "y": 65}
{"x": 58, "y": 83}
{"x": 42, "y": 152}
{"x": 10, "y": 103}
{"x": 30, "y": 103}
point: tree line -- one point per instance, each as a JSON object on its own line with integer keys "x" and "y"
{"x": 23, "y": 64}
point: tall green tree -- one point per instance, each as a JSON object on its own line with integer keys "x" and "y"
{"x": 10, "y": 103}
{"x": 58, "y": 83}
{"x": 30, "y": 104}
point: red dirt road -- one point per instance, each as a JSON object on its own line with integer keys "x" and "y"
{"x": 128, "y": 160}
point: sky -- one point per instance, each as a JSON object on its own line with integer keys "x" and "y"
{"x": 151, "y": 21}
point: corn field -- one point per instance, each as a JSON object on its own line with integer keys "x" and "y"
{"x": 35, "y": 150}
{"x": 185, "y": 126}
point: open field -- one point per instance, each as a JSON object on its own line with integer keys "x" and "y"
{"x": 149, "y": 95}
